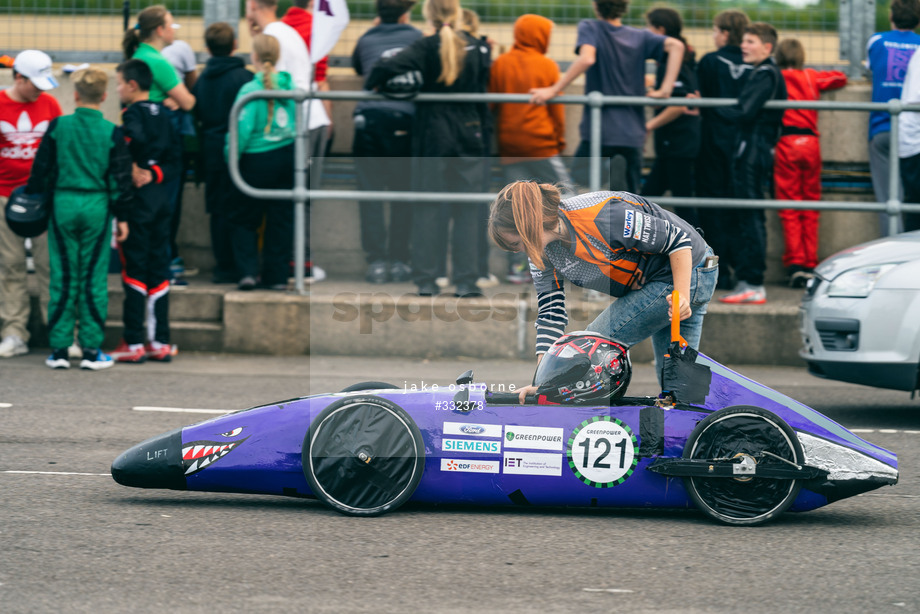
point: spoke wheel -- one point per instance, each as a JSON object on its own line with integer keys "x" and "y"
{"x": 749, "y": 433}
{"x": 363, "y": 456}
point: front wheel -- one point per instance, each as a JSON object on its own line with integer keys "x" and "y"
{"x": 363, "y": 456}
{"x": 753, "y": 435}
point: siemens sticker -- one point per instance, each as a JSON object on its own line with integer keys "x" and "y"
{"x": 533, "y": 437}
{"x": 465, "y": 445}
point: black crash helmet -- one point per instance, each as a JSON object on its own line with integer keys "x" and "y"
{"x": 583, "y": 367}
{"x": 27, "y": 214}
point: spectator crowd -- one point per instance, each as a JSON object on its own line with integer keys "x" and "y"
{"x": 175, "y": 117}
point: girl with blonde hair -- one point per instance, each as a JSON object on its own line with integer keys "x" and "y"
{"x": 266, "y": 131}
{"x": 448, "y": 142}
{"x": 617, "y": 243}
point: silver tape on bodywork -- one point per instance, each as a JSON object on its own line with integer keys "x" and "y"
{"x": 842, "y": 463}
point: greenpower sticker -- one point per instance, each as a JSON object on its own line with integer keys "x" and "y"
{"x": 602, "y": 452}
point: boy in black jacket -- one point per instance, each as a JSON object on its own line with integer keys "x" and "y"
{"x": 215, "y": 91}
{"x": 721, "y": 74}
{"x": 156, "y": 151}
{"x": 757, "y": 130}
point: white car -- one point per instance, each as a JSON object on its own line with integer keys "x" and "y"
{"x": 861, "y": 315}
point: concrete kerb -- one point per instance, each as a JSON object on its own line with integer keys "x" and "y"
{"x": 360, "y": 319}
{"x": 342, "y": 318}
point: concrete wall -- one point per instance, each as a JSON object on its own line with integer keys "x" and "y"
{"x": 336, "y": 242}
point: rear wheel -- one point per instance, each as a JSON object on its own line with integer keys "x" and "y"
{"x": 363, "y": 456}
{"x": 754, "y": 435}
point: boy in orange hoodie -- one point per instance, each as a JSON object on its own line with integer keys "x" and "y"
{"x": 797, "y": 164}
{"x": 530, "y": 137}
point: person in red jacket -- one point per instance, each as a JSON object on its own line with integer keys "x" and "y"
{"x": 300, "y": 17}
{"x": 530, "y": 137}
{"x": 797, "y": 165}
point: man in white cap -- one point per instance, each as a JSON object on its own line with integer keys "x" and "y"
{"x": 25, "y": 112}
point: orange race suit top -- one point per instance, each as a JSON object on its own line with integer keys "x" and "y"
{"x": 617, "y": 242}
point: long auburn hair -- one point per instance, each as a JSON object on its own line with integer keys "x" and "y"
{"x": 148, "y": 21}
{"x": 669, "y": 19}
{"x": 267, "y": 50}
{"x": 447, "y": 18}
{"x": 526, "y": 208}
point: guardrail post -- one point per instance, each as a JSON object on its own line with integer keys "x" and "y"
{"x": 894, "y": 171}
{"x": 301, "y": 166}
{"x": 595, "y": 102}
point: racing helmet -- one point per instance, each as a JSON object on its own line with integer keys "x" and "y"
{"x": 583, "y": 367}
{"x": 27, "y": 214}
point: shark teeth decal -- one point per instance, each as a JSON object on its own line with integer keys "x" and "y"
{"x": 197, "y": 455}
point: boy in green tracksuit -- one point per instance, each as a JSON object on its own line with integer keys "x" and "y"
{"x": 84, "y": 161}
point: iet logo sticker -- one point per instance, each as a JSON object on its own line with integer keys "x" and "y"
{"x": 532, "y": 463}
{"x": 628, "y": 224}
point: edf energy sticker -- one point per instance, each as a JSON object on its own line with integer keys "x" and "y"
{"x": 466, "y": 465}
{"x": 602, "y": 452}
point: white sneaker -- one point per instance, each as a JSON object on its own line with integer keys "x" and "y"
{"x": 745, "y": 294}
{"x": 595, "y": 296}
{"x": 442, "y": 282}
{"x": 75, "y": 352}
{"x": 96, "y": 360}
{"x": 487, "y": 282}
{"x": 58, "y": 359}
{"x": 13, "y": 345}
{"x": 316, "y": 274}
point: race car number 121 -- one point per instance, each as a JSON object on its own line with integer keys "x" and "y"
{"x": 602, "y": 452}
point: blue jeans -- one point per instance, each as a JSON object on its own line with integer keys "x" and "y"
{"x": 643, "y": 313}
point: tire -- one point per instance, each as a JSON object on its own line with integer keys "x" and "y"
{"x": 743, "y": 430}
{"x": 363, "y": 456}
{"x": 369, "y": 386}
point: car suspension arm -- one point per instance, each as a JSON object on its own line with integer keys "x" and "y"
{"x": 741, "y": 467}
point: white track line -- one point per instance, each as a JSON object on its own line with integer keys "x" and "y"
{"x": 5, "y": 405}
{"x": 54, "y": 473}
{"x": 182, "y": 410}
{"x": 606, "y": 590}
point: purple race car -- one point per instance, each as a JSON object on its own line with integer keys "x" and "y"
{"x": 737, "y": 450}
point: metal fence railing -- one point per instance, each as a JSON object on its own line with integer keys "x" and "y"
{"x": 833, "y": 33}
{"x": 595, "y": 101}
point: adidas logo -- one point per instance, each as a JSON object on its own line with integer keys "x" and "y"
{"x": 24, "y": 137}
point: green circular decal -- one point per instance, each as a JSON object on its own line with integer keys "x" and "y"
{"x": 602, "y": 452}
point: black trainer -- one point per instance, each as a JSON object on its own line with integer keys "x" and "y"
{"x": 376, "y": 272}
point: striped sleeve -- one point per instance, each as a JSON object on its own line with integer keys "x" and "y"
{"x": 677, "y": 239}
{"x": 551, "y": 318}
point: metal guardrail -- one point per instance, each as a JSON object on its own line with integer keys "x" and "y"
{"x": 596, "y": 102}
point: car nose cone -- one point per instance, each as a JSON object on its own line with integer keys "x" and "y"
{"x": 155, "y": 463}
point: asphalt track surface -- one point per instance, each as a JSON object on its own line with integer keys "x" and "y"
{"x": 72, "y": 540}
